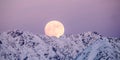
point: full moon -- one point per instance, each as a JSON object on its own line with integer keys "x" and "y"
{"x": 54, "y": 28}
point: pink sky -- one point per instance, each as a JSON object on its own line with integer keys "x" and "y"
{"x": 78, "y": 16}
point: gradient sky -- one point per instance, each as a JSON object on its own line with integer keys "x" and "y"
{"x": 102, "y": 16}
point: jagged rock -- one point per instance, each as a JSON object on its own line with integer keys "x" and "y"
{"x": 20, "y": 45}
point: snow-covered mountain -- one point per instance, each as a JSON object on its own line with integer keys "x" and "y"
{"x": 21, "y": 45}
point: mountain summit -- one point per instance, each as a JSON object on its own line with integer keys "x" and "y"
{"x": 20, "y": 45}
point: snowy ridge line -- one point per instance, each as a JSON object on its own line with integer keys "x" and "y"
{"x": 22, "y": 45}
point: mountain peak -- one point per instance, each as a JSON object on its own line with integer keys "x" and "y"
{"x": 22, "y": 45}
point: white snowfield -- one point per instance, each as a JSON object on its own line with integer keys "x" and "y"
{"x": 21, "y": 45}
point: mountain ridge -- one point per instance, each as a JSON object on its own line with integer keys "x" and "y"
{"x": 20, "y": 45}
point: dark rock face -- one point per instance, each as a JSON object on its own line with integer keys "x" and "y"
{"x": 15, "y": 33}
{"x": 0, "y": 42}
{"x": 20, "y": 45}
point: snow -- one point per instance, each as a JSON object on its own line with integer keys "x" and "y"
{"x": 22, "y": 45}
{"x": 93, "y": 52}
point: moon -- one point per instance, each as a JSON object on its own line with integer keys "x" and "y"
{"x": 54, "y": 28}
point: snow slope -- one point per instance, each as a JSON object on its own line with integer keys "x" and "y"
{"x": 101, "y": 50}
{"x": 21, "y": 45}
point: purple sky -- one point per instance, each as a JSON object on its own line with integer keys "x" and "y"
{"x": 77, "y": 16}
